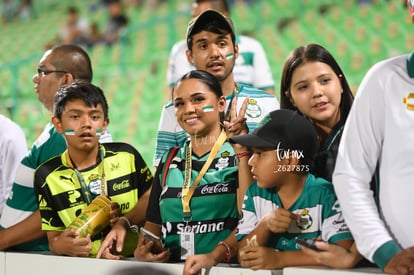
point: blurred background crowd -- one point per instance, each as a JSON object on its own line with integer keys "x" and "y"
{"x": 129, "y": 42}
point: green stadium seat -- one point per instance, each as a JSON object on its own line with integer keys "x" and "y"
{"x": 132, "y": 73}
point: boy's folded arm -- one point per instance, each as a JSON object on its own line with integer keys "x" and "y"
{"x": 25, "y": 231}
{"x": 260, "y": 233}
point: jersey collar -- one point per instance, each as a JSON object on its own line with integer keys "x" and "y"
{"x": 410, "y": 64}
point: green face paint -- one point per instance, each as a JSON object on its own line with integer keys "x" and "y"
{"x": 229, "y": 55}
{"x": 69, "y": 132}
{"x": 208, "y": 109}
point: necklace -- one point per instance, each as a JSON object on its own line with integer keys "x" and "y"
{"x": 86, "y": 193}
{"x": 187, "y": 190}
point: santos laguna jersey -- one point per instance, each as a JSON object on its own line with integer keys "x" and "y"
{"x": 22, "y": 201}
{"x": 379, "y": 133}
{"x": 58, "y": 186}
{"x": 319, "y": 211}
{"x": 213, "y": 205}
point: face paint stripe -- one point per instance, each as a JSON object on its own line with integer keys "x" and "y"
{"x": 229, "y": 55}
{"x": 69, "y": 132}
{"x": 208, "y": 108}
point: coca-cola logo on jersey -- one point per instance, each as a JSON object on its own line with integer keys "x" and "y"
{"x": 215, "y": 189}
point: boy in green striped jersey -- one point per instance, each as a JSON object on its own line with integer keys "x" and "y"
{"x": 286, "y": 201}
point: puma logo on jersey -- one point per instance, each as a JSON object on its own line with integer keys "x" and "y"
{"x": 68, "y": 179}
{"x": 48, "y": 222}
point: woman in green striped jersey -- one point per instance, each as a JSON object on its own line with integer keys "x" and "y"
{"x": 193, "y": 203}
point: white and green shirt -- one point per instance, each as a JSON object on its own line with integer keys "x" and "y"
{"x": 379, "y": 133}
{"x": 317, "y": 205}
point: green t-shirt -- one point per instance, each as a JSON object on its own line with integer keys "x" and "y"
{"x": 317, "y": 205}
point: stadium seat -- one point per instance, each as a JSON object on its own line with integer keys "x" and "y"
{"x": 132, "y": 72}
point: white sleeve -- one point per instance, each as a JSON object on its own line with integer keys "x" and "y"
{"x": 178, "y": 64}
{"x": 359, "y": 153}
{"x": 167, "y": 134}
{"x": 171, "y": 77}
{"x": 13, "y": 149}
{"x": 263, "y": 77}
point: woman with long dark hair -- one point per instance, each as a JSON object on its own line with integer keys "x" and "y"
{"x": 314, "y": 85}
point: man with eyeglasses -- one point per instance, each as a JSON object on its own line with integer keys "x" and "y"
{"x": 20, "y": 221}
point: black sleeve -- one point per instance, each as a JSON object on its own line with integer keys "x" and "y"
{"x": 153, "y": 210}
{"x": 44, "y": 197}
{"x": 144, "y": 174}
{"x": 37, "y": 182}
